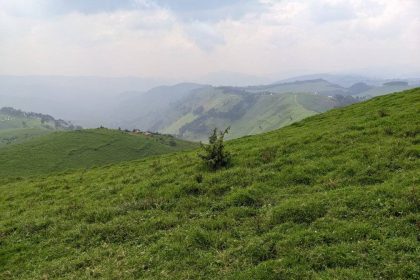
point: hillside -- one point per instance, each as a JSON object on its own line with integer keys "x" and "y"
{"x": 191, "y": 111}
{"x": 17, "y": 126}
{"x": 246, "y": 113}
{"x": 79, "y": 149}
{"x": 334, "y": 196}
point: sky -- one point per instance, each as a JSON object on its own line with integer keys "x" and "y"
{"x": 192, "y": 39}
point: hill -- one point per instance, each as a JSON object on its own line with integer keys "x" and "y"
{"x": 334, "y": 196}
{"x": 191, "y": 111}
{"x": 136, "y": 109}
{"x": 79, "y": 149}
{"x": 17, "y": 126}
{"x": 386, "y": 88}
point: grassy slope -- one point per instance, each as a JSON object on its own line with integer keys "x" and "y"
{"x": 19, "y": 135}
{"x": 61, "y": 151}
{"x": 268, "y": 112}
{"x": 332, "y": 197}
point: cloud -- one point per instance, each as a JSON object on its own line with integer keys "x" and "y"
{"x": 204, "y": 35}
{"x": 187, "y": 39}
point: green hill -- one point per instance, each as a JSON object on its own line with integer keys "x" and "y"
{"x": 17, "y": 126}
{"x": 385, "y": 89}
{"x": 191, "y": 111}
{"x": 61, "y": 151}
{"x": 334, "y": 196}
{"x": 252, "y": 110}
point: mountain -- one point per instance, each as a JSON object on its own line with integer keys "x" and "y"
{"x": 359, "y": 88}
{"x": 334, "y": 196}
{"x": 62, "y": 151}
{"x": 347, "y": 80}
{"x": 129, "y": 103}
{"x": 386, "y": 88}
{"x": 315, "y": 86}
{"x": 192, "y": 112}
{"x": 140, "y": 109}
{"x": 17, "y": 126}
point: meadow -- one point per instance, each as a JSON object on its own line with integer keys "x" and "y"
{"x": 69, "y": 150}
{"x": 334, "y": 196}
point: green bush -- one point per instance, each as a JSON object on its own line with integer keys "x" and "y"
{"x": 215, "y": 156}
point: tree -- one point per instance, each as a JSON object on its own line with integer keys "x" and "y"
{"x": 214, "y": 155}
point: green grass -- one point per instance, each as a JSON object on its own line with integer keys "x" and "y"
{"x": 334, "y": 196}
{"x": 259, "y": 112}
{"x": 272, "y": 112}
{"x": 19, "y": 135}
{"x": 62, "y": 151}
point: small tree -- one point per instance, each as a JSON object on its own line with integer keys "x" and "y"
{"x": 215, "y": 156}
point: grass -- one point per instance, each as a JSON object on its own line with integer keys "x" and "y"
{"x": 63, "y": 151}
{"x": 247, "y": 113}
{"x": 19, "y": 135}
{"x": 334, "y": 196}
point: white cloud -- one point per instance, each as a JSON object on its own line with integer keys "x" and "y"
{"x": 282, "y": 37}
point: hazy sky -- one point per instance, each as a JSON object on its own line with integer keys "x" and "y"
{"x": 187, "y": 39}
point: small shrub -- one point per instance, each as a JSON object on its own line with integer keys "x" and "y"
{"x": 215, "y": 156}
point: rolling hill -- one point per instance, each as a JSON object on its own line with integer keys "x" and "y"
{"x": 191, "y": 111}
{"x": 334, "y": 196}
{"x": 17, "y": 126}
{"x": 61, "y": 151}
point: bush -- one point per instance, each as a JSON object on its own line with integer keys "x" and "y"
{"x": 215, "y": 156}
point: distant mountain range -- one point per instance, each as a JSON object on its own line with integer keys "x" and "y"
{"x": 190, "y": 110}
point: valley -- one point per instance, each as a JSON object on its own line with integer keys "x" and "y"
{"x": 191, "y": 111}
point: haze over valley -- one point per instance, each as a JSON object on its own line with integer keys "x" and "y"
{"x": 190, "y": 110}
